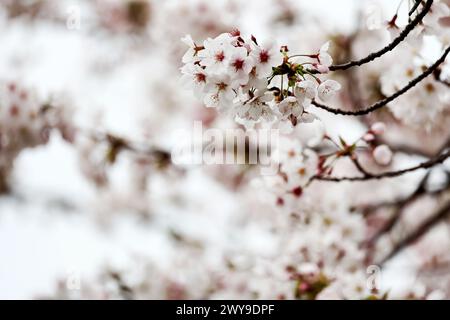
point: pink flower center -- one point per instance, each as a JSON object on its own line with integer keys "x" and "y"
{"x": 220, "y": 56}
{"x": 222, "y": 86}
{"x": 297, "y": 191}
{"x": 14, "y": 110}
{"x": 264, "y": 56}
{"x": 200, "y": 77}
{"x": 238, "y": 64}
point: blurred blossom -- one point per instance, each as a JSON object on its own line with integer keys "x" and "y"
{"x": 224, "y": 149}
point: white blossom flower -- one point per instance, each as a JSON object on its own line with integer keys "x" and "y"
{"x": 299, "y": 170}
{"x": 392, "y": 27}
{"x": 194, "y": 77}
{"x": 328, "y": 89}
{"x": 290, "y": 106}
{"x": 191, "y": 54}
{"x": 255, "y": 107}
{"x": 215, "y": 57}
{"x": 265, "y": 56}
{"x": 432, "y": 21}
{"x": 233, "y": 74}
{"x": 305, "y": 91}
{"x": 425, "y": 103}
{"x": 324, "y": 59}
{"x": 240, "y": 66}
{"x": 220, "y": 93}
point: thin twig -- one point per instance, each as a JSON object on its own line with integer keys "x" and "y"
{"x": 384, "y": 102}
{"x": 375, "y": 55}
{"x": 390, "y": 174}
{"x": 437, "y": 77}
{"x": 360, "y": 167}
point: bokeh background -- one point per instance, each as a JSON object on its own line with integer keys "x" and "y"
{"x": 116, "y": 69}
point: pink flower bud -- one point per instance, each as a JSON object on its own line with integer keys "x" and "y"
{"x": 368, "y": 137}
{"x": 378, "y": 128}
{"x": 382, "y": 155}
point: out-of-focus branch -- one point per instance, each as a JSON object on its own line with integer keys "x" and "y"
{"x": 375, "y": 55}
{"x": 428, "y": 224}
{"x": 380, "y": 104}
{"x": 401, "y": 206}
{"x": 118, "y": 144}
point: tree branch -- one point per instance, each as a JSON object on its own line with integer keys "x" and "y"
{"x": 415, "y": 6}
{"x": 419, "y": 232}
{"x": 401, "y": 206}
{"x": 437, "y": 77}
{"x": 390, "y": 174}
{"x": 384, "y": 102}
{"x": 375, "y": 55}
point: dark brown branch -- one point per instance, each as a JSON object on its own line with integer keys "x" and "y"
{"x": 437, "y": 77}
{"x": 390, "y": 174}
{"x": 389, "y": 47}
{"x": 384, "y": 102}
{"x": 360, "y": 168}
{"x": 414, "y": 8}
{"x": 419, "y": 232}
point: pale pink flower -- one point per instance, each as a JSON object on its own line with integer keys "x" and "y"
{"x": 215, "y": 57}
{"x": 305, "y": 91}
{"x": 254, "y": 108}
{"x": 266, "y": 56}
{"x": 290, "y": 106}
{"x": 194, "y": 77}
{"x": 378, "y": 128}
{"x": 219, "y": 92}
{"x": 239, "y": 67}
{"x": 192, "y": 54}
{"x": 328, "y": 89}
{"x": 324, "y": 59}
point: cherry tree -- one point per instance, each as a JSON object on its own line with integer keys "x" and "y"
{"x": 360, "y": 175}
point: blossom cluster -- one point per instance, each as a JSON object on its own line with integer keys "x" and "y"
{"x": 25, "y": 122}
{"x": 253, "y": 81}
{"x": 425, "y": 104}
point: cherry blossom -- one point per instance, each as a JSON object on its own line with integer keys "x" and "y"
{"x": 216, "y": 54}
{"x": 220, "y": 92}
{"x": 234, "y": 75}
{"x": 324, "y": 58}
{"x": 194, "y": 77}
{"x": 328, "y": 89}
{"x": 191, "y": 54}
{"x": 255, "y": 107}
{"x": 240, "y": 66}
{"x": 266, "y": 56}
{"x": 305, "y": 91}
